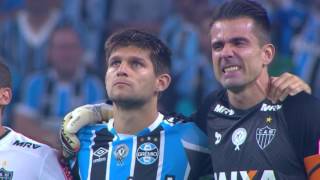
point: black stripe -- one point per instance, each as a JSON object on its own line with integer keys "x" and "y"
{"x": 315, "y": 168}
{"x": 142, "y": 169}
{"x": 100, "y": 154}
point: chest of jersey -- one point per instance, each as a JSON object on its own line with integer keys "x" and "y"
{"x": 160, "y": 154}
{"x": 253, "y": 145}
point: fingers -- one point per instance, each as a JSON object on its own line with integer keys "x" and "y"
{"x": 278, "y": 86}
{"x": 286, "y": 84}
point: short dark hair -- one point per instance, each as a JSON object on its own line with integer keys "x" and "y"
{"x": 160, "y": 54}
{"x": 246, "y": 8}
{"x": 5, "y": 75}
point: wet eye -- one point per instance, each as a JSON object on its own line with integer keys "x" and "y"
{"x": 240, "y": 42}
{"x": 217, "y": 46}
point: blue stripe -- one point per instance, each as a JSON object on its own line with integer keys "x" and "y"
{"x": 86, "y": 136}
{"x": 118, "y": 170}
{"x": 178, "y": 161}
{"x": 84, "y": 155}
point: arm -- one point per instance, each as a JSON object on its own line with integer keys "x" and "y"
{"x": 303, "y": 115}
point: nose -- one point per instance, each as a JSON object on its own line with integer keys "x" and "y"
{"x": 122, "y": 70}
{"x": 227, "y": 52}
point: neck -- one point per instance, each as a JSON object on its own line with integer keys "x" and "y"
{"x": 2, "y": 129}
{"x": 133, "y": 120}
{"x": 37, "y": 21}
{"x": 251, "y": 94}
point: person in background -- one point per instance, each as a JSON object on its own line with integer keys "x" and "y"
{"x": 49, "y": 95}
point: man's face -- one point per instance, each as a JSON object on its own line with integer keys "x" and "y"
{"x": 236, "y": 53}
{"x": 65, "y": 51}
{"x": 130, "y": 77}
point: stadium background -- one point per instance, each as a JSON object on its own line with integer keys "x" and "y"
{"x": 27, "y": 26}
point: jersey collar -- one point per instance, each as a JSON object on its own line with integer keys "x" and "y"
{"x": 144, "y": 131}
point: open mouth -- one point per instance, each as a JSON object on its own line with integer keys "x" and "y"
{"x": 231, "y": 69}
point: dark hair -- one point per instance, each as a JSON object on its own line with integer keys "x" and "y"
{"x": 5, "y": 75}
{"x": 160, "y": 54}
{"x": 245, "y": 8}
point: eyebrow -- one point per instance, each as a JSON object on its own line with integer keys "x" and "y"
{"x": 234, "y": 39}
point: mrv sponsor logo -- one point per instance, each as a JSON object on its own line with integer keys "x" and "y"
{"x": 223, "y": 110}
{"x": 26, "y": 144}
{"x": 267, "y": 107}
{"x": 147, "y": 153}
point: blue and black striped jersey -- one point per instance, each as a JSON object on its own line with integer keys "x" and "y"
{"x": 167, "y": 149}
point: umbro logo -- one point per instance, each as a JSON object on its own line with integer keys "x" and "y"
{"x": 223, "y": 110}
{"x": 100, "y": 152}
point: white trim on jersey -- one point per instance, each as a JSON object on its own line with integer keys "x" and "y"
{"x": 160, "y": 164}
{"x": 91, "y": 153}
{"x": 195, "y": 147}
{"x": 188, "y": 169}
{"x": 133, "y": 156}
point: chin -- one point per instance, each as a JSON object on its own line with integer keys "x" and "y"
{"x": 234, "y": 87}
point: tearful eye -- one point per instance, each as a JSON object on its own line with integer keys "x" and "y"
{"x": 217, "y": 46}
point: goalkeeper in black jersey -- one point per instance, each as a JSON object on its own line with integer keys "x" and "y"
{"x": 251, "y": 137}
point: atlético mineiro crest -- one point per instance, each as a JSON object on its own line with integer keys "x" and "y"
{"x": 5, "y": 175}
{"x": 264, "y": 136}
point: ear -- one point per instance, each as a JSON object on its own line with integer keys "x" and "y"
{"x": 163, "y": 82}
{"x": 5, "y": 96}
{"x": 268, "y": 53}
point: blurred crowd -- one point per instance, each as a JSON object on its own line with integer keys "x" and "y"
{"x": 55, "y": 50}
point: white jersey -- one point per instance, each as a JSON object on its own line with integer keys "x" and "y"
{"x": 24, "y": 158}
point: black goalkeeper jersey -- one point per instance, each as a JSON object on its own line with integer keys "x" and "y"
{"x": 268, "y": 141}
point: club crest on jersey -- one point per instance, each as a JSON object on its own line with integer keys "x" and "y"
{"x": 121, "y": 152}
{"x": 238, "y": 137}
{"x": 223, "y": 110}
{"x": 147, "y": 153}
{"x": 6, "y": 175}
{"x": 264, "y": 136}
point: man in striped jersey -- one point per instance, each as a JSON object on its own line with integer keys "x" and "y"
{"x": 139, "y": 142}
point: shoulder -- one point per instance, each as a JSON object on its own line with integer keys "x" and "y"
{"x": 190, "y": 133}
{"x": 28, "y": 146}
{"x": 302, "y": 103}
{"x": 93, "y": 130}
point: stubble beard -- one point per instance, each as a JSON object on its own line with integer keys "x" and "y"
{"x": 128, "y": 103}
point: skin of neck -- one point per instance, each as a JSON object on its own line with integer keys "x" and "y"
{"x": 252, "y": 93}
{"x": 133, "y": 120}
